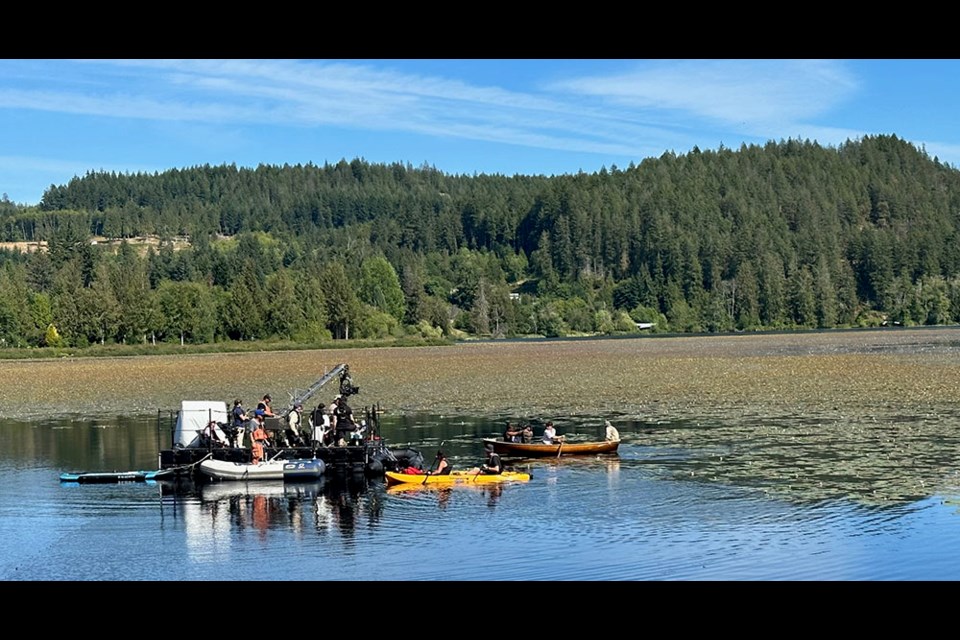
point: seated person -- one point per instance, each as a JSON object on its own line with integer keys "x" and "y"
{"x": 443, "y": 467}
{"x": 612, "y": 434}
{"x": 550, "y": 435}
{"x": 357, "y": 436}
{"x": 526, "y": 435}
{"x": 493, "y": 465}
{"x": 511, "y": 433}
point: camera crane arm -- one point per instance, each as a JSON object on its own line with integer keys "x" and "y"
{"x": 315, "y": 387}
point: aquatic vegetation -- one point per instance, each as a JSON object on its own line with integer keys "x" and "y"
{"x": 873, "y": 415}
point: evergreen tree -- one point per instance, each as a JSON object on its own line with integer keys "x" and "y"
{"x": 342, "y": 304}
{"x": 283, "y": 315}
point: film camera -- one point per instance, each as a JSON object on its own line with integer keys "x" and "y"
{"x": 346, "y": 383}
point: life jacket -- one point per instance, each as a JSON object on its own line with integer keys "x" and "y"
{"x": 293, "y": 421}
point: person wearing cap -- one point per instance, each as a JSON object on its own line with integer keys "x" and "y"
{"x": 612, "y": 434}
{"x": 264, "y": 406}
{"x": 251, "y": 424}
{"x": 240, "y": 419}
{"x": 493, "y": 465}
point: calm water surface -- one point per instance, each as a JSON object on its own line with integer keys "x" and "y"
{"x": 663, "y": 509}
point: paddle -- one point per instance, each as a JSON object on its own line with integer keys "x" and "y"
{"x": 437, "y": 457}
{"x": 559, "y": 449}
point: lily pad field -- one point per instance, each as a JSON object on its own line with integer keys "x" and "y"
{"x": 868, "y": 413}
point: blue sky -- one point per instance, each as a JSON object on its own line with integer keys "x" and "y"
{"x": 62, "y": 118}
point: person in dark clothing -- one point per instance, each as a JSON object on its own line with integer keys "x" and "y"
{"x": 342, "y": 420}
{"x": 493, "y": 465}
{"x": 443, "y": 467}
{"x": 239, "y": 421}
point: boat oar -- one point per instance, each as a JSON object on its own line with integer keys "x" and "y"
{"x": 437, "y": 457}
{"x": 559, "y": 449}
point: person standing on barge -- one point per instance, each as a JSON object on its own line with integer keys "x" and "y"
{"x": 258, "y": 438}
{"x": 264, "y": 406}
{"x": 342, "y": 420}
{"x": 294, "y": 418}
{"x": 240, "y": 418}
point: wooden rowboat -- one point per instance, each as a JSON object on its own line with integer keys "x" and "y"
{"x": 541, "y": 450}
{"x": 455, "y": 477}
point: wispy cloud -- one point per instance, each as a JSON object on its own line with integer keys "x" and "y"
{"x": 359, "y": 96}
{"x": 767, "y": 93}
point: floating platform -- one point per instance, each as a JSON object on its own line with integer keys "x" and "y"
{"x": 200, "y": 431}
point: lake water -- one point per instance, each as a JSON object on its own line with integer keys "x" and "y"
{"x": 680, "y": 502}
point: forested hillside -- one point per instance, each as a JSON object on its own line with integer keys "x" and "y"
{"x": 786, "y": 235}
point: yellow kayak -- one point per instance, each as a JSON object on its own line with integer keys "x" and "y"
{"x": 455, "y": 477}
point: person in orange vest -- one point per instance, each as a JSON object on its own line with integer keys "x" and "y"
{"x": 258, "y": 437}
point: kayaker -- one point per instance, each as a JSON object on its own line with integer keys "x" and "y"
{"x": 493, "y": 465}
{"x": 443, "y": 467}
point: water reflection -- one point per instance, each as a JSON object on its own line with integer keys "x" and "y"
{"x": 881, "y": 459}
{"x": 444, "y": 494}
{"x": 215, "y": 514}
